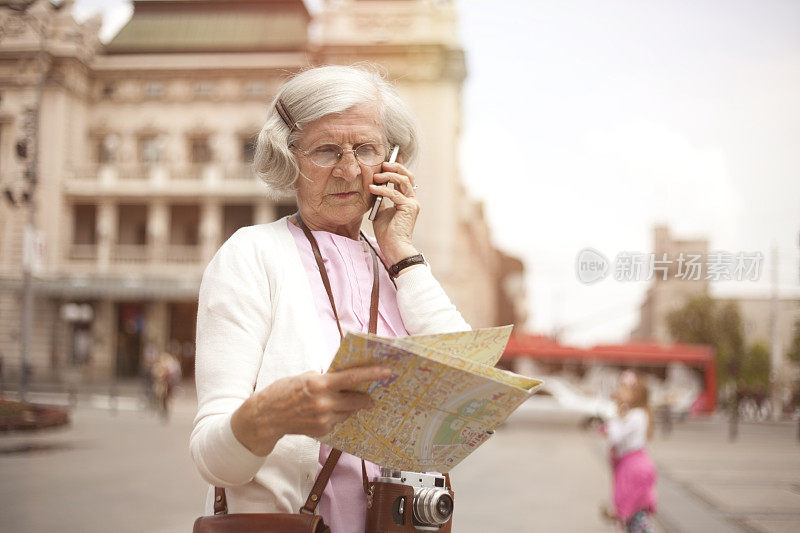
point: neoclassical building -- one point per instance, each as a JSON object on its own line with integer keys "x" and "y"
{"x": 144, "y": 163}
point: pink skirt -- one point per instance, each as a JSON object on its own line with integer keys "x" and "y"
{"x": 634, "y": 484}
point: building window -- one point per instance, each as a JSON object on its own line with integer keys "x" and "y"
{"x": 108, "y": 91}
{"x": 154, "y": 90}
{"x": 184, "y": 221}
{"x": 105, "y": 148}
{"x": 256, "y": 89}
{"x": 203, "y": 89}
{"x": 150, "y": 149}
{"x": 132, "y": 224}
{"x": 200, "y": 149}
{"x": 235, "y": 217}
{"x": 84, "y": 225}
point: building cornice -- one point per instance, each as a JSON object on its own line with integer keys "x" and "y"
{"x": 167, "y": 63}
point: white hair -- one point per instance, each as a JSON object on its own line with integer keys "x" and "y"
{"x": 319, "y": 92}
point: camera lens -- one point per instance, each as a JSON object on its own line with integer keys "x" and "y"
{"x": 432, "y": 506}
{"x": 444, "y": 507}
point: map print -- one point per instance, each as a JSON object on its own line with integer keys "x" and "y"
{"x": 443, "y": 400}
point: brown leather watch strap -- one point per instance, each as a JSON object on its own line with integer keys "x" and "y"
{"x": 396, "y": 268}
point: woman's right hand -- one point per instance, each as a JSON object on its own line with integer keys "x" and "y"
{"x": 306, "y": 404}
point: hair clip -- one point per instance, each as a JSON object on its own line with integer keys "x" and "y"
{"x": 285, "y": 116}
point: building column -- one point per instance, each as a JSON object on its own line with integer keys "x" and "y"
{"x": 106, "y": 232}
{"x": 210, "y": 229}
{"x": 104, "y": 335}
{"x": 156, "y": 329}
{"x": 158, "y": 229}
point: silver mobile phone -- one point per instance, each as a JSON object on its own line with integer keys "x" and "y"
{"x": 378, "y": 199}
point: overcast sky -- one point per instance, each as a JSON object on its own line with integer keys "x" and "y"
{"x": 587, "y": 122}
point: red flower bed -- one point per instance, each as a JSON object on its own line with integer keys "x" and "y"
{"x": 17, "y": 415}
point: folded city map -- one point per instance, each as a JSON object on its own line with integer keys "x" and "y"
{"x": 444, "y": 398}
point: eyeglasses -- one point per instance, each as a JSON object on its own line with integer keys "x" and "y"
{"x": 329, "y": 154}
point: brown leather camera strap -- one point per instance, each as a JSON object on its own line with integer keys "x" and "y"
{"x": 319, "y": 486}
{"x": 323, "y": 272}
{"x": 220, "y": 500}
{"x": 373, "y": 323}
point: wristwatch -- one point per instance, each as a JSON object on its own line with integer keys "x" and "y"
{"x": 395, "y": 269}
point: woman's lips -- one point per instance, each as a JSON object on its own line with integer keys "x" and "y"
{"x": 345, "y": 194}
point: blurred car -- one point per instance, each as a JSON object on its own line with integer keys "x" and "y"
{"x": 560, "y": 398}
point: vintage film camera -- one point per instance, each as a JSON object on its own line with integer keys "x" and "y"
{"x": 400, "y": 501}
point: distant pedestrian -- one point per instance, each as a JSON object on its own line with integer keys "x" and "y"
{"x": 634, "y": 472}
{"x": 166, "y": 375}
{"x": 150, "y": 354}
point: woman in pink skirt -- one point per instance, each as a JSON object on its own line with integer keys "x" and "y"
{"x": 634, "y": 472}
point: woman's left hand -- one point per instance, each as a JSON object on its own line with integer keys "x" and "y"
{"x": 394, "y": 226}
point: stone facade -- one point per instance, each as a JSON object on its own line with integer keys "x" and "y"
{"x": 143, "y": 168}
{"x": 664, "y": 296}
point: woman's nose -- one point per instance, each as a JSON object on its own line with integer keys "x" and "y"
{"x": 347, "y": 168}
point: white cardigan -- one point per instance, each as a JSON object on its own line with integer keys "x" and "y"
{"x": 256, "y": 323}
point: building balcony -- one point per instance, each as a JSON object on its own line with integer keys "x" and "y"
{"x": 179, "y": 180}
{"x": 137, "y": 254}
{"x": 240, "y": 172}
{"x": 83, "y": 252}
{"x": 182, "y": 253}
{"x": 130, "y": 253}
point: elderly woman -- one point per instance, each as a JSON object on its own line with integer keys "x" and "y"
{"x": 276, "y": 298}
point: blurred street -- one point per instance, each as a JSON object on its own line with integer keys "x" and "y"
{"x": 710, "y": 484}
{"x": 127, "y": 471}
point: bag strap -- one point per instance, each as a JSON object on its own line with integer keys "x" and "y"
{"x": 373, "y": 328}
{"x": 323, "y": 272}
{"x": 322, "y": 480}
{"x": 385, "y": 267}
{"x": 221, "y": 501}
{"x": 373, "y": 317}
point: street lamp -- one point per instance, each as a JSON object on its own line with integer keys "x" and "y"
{"x": 32, "y": 175}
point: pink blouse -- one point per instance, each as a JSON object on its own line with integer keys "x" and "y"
{"x": 349, "y": 265}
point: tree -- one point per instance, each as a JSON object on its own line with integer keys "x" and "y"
{"x": 704, "y": 321}
{"x": 694, "y": 322}
{"x": 755, "y": 367}
{"x": 794, "y": 351}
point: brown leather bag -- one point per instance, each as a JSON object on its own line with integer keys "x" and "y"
{"x": 261, "y": 523}
{"x": 305, "y": 522}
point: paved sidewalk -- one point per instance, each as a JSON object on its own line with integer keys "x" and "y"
{"x": 118, "y": 464}
{"x": 129, "y": 469}
{"x": 709, "y": 484}
{"x": 110, "y": 470}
